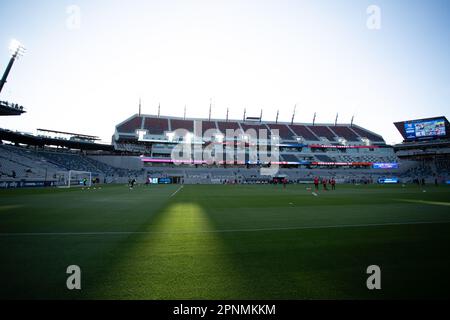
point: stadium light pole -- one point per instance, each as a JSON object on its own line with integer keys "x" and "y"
{"x": 17, "y": 50}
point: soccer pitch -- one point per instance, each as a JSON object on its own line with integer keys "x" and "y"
{"x": 225, "y": 242}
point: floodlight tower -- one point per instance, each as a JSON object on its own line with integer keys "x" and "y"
{"x": 17, "y": 50}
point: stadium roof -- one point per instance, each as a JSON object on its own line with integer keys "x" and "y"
{"x": 10, "y": 109}
{"x": 29, "y": 139}
{"x": 78, "y": 135}
{"x": 159, "y": 125}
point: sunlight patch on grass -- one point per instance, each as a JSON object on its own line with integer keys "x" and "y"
{"x": 173, "y": 266}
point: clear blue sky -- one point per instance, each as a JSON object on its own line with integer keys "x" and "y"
{"x": 317, "y": 54}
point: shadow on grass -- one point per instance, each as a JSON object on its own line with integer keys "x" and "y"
{"x": 177, "y": 256}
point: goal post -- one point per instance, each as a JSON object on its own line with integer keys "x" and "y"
{"x": 78, "y": 178}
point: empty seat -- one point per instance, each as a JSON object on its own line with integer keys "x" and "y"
{"x": 207, "y": 125}
{"x": 223, "y": 126}
{"x": 322, "y": 131}
{"x": 323, "y": 158}
{"x": 156, "y": 125}
{"x": 257, "y": 127}
{"x": 345, "y": 132}
{"x": 182, "y": 124}
{"x": 366, "y": 134}
{"x": 289, "y": 158}
{"x": 284, "y": 132}
{"x": 130, "y": 126}
{"x": 302, "y": 131}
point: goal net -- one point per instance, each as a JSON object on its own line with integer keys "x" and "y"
{"x": 78, "y": 179}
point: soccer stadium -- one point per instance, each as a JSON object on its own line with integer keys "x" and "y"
{"x": 217, "y": 208}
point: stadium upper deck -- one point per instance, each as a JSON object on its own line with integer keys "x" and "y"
{"x": 160, "y": 127}
{"x": 299, "y": 144}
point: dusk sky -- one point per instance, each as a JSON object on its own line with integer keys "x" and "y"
{"x": 88, "y": 62}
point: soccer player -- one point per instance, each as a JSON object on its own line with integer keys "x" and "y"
{"x": 324, "y": 183}
{"x": 316, "y": 183}
{"x": 333, "y": 184}
{"x": 284, "y": 183}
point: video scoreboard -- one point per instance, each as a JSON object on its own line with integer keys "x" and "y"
{"x": 424, "y": 129}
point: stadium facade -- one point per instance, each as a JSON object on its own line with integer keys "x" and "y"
{"x": 143, "y": 147}
{"x": 166, "y": 149}
{"x": 298, "y": 144}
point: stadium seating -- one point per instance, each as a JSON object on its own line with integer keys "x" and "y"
{"x": 223, "y": 126}
{"x": 207, "y": 125}
{"x": 131, "y": 125}
{"x": 366, "y": 134}
{"x": 256, "y": 128}
{"x": 43, "y": 164}
{"x": 324, "y": 158}
{"x": 289, "y": 158}
{"x": 283, "y": 130}
{"x": 30, "y": 163}
{"x": 288, "y": 132}
{"x": 156, "y": 125}
{"x": 306, "y": 148}
{"x": 323, "y": 131}
{"x": 346, "y": 133}
{"x": 303, "y": 131}
{"x": 182, "y": 124}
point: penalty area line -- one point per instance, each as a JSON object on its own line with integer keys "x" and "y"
{"x": 221, "y": 231}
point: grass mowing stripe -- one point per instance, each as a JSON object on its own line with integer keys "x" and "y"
{"x": 219, "y": 231}
{"x": 131, "y": 243}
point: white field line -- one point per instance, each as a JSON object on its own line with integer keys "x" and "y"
{"x": 101, "y": 233}
{"x": 181, "y": 187}
{"x": 437, "y": 203}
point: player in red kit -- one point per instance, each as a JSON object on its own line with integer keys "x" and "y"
{"x": 316, "y": 183}
{"x": 333, "y": 184}
{"x": 324, "y": 183}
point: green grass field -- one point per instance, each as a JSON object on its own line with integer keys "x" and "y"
{"x": 225, "y": 242}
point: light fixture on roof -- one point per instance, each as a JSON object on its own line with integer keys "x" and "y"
{"x": 16, "y": 48}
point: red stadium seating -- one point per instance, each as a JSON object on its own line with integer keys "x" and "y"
{"x": 366, "y": 134}
{"x": 182, "y": 124}
{"x": 283, "y": 131}
{"x": 207, "y": 125}
{"x": 302, "y": 131}
{"x": 322, "y": 131}
{"x": 156, "y": 125}
{"x": 131, "y": 125}
{"x": 256, "y": 127}
{"x": 309, "y": 132}
{"x": 223, "y": 126}
{"x": 345, "y": 132}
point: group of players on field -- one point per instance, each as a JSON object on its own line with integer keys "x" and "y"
{"x": 325, "y": 182}
{"x": 284, "y": 181}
